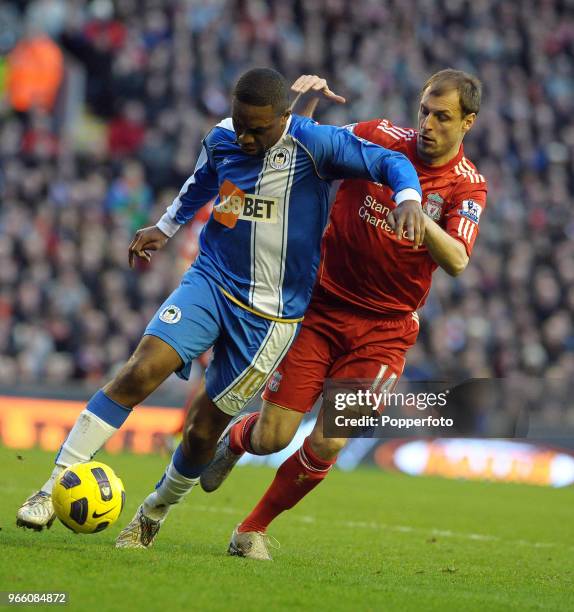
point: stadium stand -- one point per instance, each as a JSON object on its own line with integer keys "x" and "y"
{"x": 79, "y": 176}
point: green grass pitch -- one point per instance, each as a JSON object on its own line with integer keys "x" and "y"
{"x": 364, "y": 540}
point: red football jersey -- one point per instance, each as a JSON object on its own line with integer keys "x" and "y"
{"x": 363, "y": 262}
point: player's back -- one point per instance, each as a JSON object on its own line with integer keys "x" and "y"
{"x": 363, "y": 262}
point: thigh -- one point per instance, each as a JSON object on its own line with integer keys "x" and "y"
{"x": 190, "y": 319}
{"x": 246, "y": 353}
{"x": 298, "y": 381}
{"x": 378, "y": 354}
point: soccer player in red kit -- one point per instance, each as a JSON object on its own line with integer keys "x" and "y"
{"x": 363, "y": 318}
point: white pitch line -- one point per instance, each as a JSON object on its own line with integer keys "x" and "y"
{"x": 445, "y": 533}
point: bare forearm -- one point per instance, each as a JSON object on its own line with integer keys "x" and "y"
{"x": 447, "y": 252}
{"x": 305, "y": 105}
{"x": 309, "y": 89}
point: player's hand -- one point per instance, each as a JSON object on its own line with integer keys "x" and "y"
{"x": 409, "y": 216}
{"x": 146, "y": 240}
{"x": 316, "y": 86}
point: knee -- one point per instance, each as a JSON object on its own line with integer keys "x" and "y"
{"x": 326, "y": 448}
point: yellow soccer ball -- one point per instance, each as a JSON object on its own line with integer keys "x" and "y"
{"x": 88, "y": 497}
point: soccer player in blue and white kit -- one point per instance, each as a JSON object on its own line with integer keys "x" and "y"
{"x": 248, "y": 290}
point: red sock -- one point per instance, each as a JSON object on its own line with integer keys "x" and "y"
{"x": 240, "y": 434}
{"x": 296, "y": 477}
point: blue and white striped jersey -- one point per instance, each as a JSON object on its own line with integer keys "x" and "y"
{"x": 262, "y": 242}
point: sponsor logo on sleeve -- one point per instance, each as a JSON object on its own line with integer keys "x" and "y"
{"x": 433, "y": 206}
{"x": 471, "y": 210}
{"x": 170, "y": 314}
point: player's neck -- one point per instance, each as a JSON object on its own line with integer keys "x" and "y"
{"x": 441, "y": 160}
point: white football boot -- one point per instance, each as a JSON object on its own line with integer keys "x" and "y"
{"x": 140, "y": 532}
{"x": 251, "y": 545}
{"x": 36, "y": 512}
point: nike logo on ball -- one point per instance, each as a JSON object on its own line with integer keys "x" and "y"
{"x": 96, "y": 515}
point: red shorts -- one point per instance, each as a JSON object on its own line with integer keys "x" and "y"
{"x": 337, "y": 341}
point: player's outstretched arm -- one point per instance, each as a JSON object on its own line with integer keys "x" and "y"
{"x": 447, "y": 252}
{"x": 310, "y": 89}
{"x": 408, "y": 216}
{"x": 339, "y": 154}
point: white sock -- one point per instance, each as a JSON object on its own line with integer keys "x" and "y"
{"x": 49, "y": 484}
{"x": 85, "y": 439}
{"x": 172, "y": 489}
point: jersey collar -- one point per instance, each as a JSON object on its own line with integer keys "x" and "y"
{"x": 287, "y": 126}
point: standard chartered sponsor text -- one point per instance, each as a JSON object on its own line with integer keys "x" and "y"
{"x": 372, "y": 205}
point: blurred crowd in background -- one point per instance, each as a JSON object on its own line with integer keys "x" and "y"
{"x": 103, "y": 106}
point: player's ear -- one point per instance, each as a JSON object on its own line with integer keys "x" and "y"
{"x": 468, "y": 122}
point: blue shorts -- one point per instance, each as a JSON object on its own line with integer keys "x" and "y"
{"x": 246, "y": 348}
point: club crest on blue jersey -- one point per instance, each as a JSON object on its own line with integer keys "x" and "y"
{"x": 433, "y": 206}
{"x": 471, "y": 210}
{"x": 280, "y": 159}
{"x": 170, "y": 314}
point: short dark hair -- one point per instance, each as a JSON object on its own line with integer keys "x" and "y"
{"x": 263, "y": 87}
{"x": 468, "y": 86}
